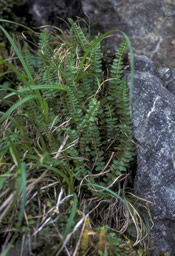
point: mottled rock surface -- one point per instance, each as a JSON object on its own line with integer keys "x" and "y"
{"x": 149, "y": 24}
{"x": 154, "y": 129}
{"x": 44, "y": 12}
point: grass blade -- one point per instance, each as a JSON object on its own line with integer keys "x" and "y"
{"x": 22, "y": 181}
{"x": 70, "y": 221}
{"x": 18, "y": 53}
{"x": 18, "y": 104}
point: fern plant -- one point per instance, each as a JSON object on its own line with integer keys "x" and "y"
{"x": 98, "y": 122}
{"x": 68, "y": 119}
{"x": 101, "y": 119}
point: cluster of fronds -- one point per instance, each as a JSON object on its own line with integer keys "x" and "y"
{"x": 97, "y": 113}
{"x": 69, "y": 119}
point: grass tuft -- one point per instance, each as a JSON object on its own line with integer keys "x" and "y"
{"x": 66, "y": 146}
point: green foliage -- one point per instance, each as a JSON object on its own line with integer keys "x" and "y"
{"x": 106, "y": 243}
{"x": 83, "y": 102}
{"x": 68, "y": 125}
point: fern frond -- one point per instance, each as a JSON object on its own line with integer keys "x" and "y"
{"x": 81, "y": 39}
{"x": 87, "y": 127}
{"x": 30, "y": 59}
{"x": 116, "y": 72}
{"x": 111, "y": 122}
{"x": 91, "y": 114}
{"x": 91, "y": 84}
{"x": 43, "y": 44}
{"x": 95, "y": 61}
{"x": 125, "y": 146}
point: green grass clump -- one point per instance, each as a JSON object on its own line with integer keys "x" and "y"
{"x": 66, "y": 145}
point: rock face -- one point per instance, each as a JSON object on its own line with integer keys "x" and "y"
{"x": 149, "y": 24}
{"x": 154, "y": 128}
{"x": 43, "y": 12}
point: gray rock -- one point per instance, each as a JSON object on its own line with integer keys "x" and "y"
{"x": 149, "y": 24}
{"x": 168, "y": 77}
{"x": 45, "y": 12}
{"x": 144, "y": 64}
{"x": 154, "y": 129}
